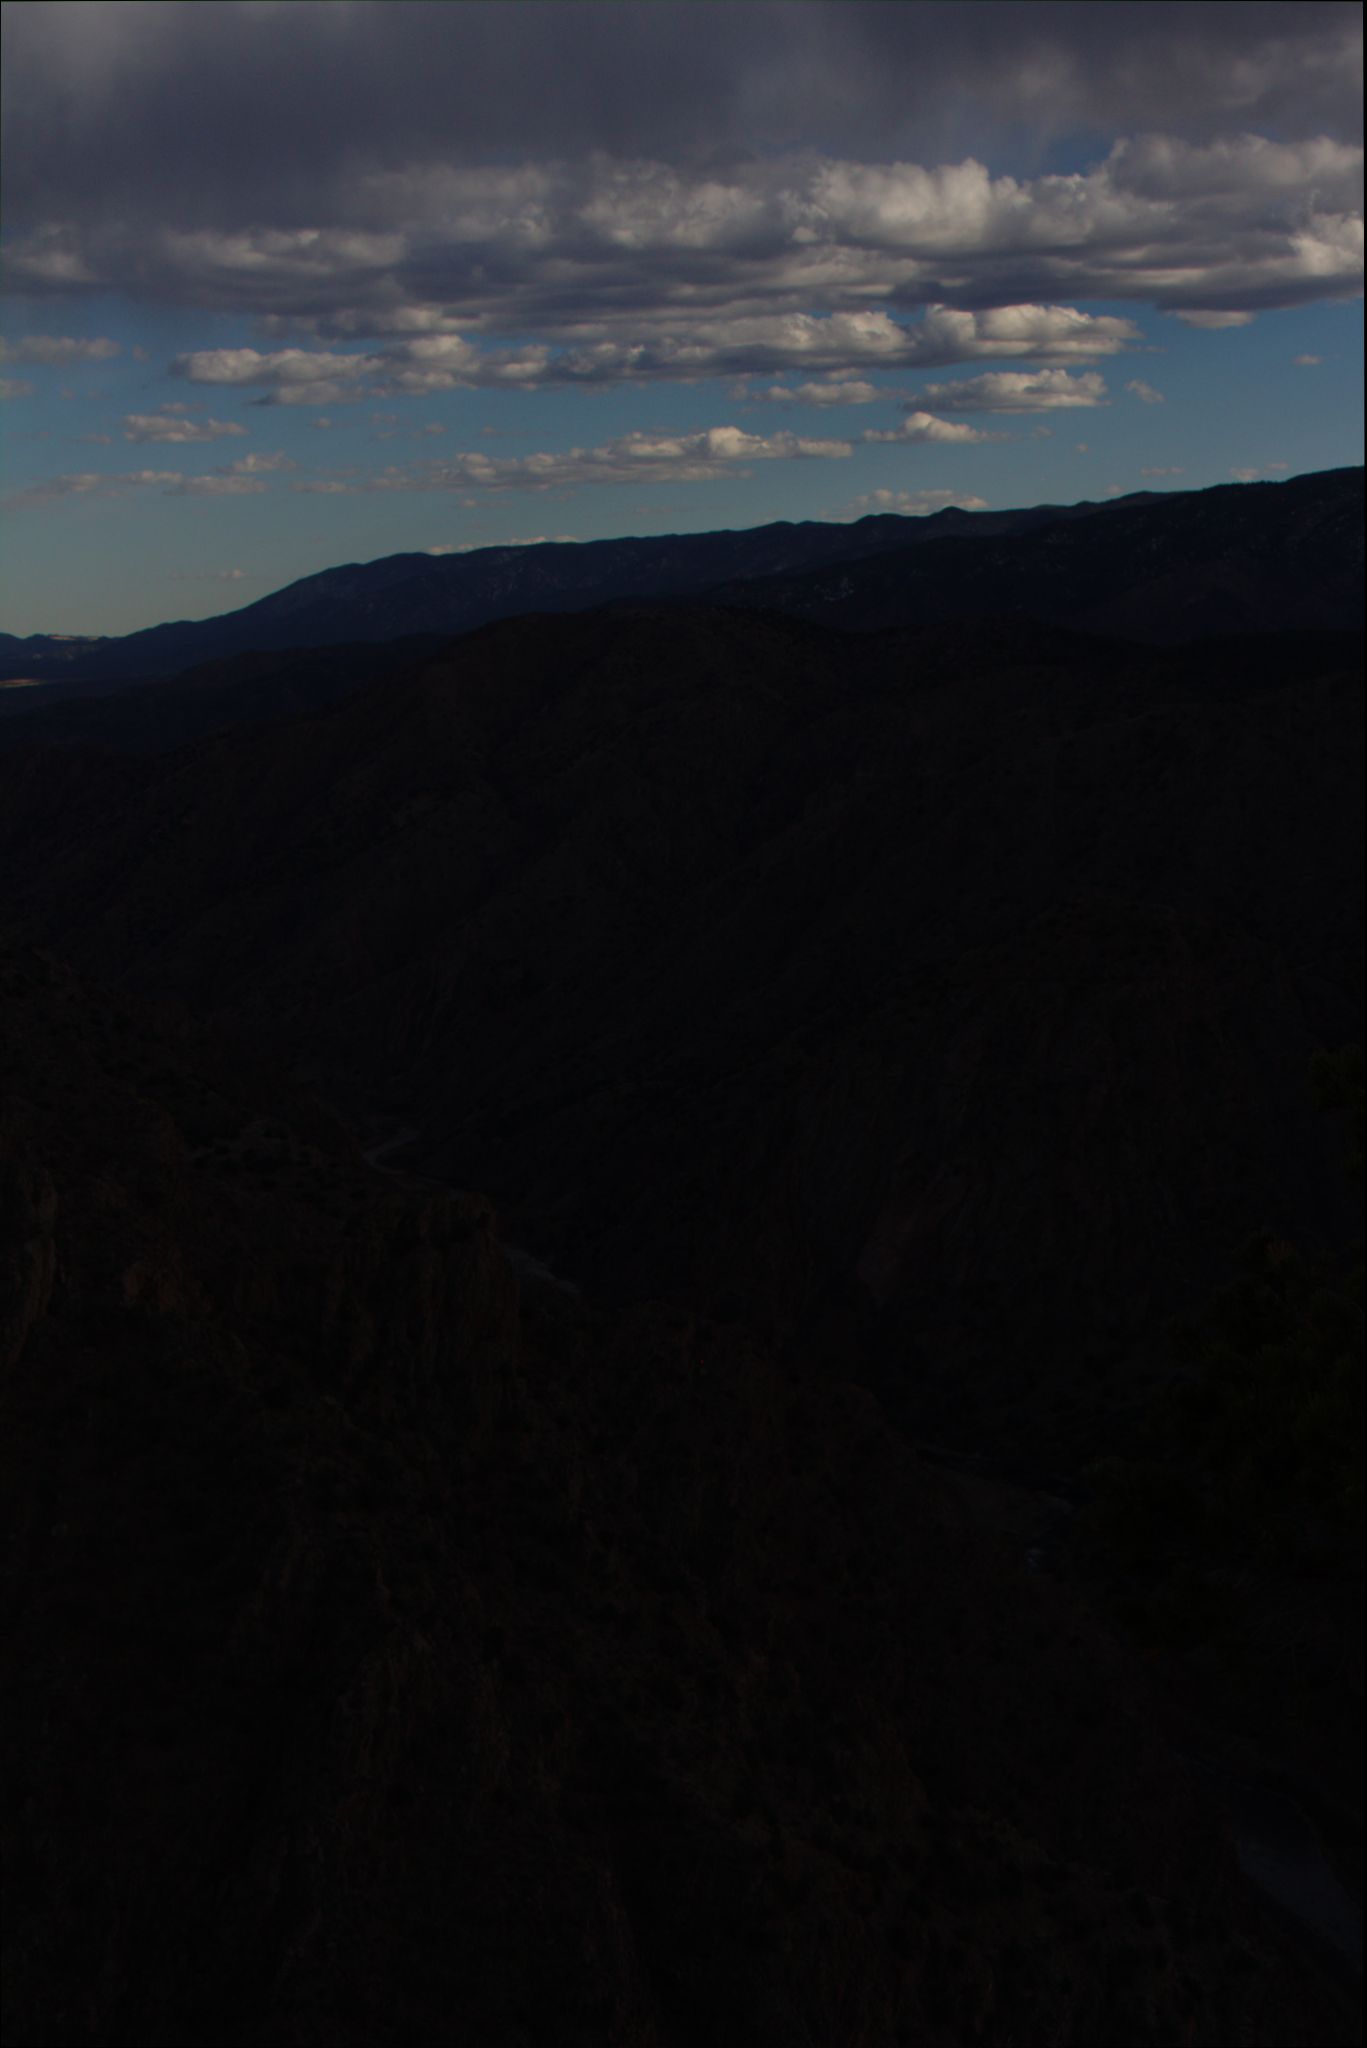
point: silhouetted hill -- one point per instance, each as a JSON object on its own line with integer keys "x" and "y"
{"x": 1164, "y": 567}
{"x": 395, "y": 1652}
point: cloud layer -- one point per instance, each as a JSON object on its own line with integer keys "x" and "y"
{"x": 577, "y": 193}
{"x": 642, "y": 270}
{"x": 701, "y": 457}
{"x": 962, "y": 212}
{"x": 97, "y": 96}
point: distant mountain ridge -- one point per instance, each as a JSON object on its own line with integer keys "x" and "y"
{"x": 1048, "y": 561}
{"x": 1162, "y": 571}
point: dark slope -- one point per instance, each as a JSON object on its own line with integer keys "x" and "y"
{"x": 964, "y": 982}
{"x": 242, "y": 689}
{"x": 20, "y": 651}
{"x": 393, "y": 1657}
{"x": 1241, "y": 558}
{"x": 1171, "y": 566}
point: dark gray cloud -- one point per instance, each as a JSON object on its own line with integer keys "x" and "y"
{"x": 227, "y": 111}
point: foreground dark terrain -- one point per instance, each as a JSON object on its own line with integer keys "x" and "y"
{"x": 589, "y": 1217}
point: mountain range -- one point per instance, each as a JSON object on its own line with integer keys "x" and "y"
{"x": 1165, "y": 566}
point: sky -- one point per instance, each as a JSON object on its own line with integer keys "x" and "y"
{"x": 290, "y": 283}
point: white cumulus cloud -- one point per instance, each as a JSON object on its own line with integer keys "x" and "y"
{"x": 1019, "y": 391}
{"x": 924, "y": 426}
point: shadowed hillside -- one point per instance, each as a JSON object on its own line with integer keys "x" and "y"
{"x": 393, "y": 1651}
{"x": 969, "y": 989}
{"x": 656, "y": 1548}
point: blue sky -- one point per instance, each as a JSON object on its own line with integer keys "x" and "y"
{"x": 262, "y": 318}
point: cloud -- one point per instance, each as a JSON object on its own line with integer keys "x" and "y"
{"x": 923, "y": 426}
{"x": 15, "y": 387}
{"x": 236, "y": 481}
{"x": 606, "y": 269}
{"x": 292, "y": 104}
{"x": 1162, "y": 472}
{"x": 209, "y": 576}
{"x": 1307, "y": 362}
{"x": 80, "y": 484}
{"x": 257, "y": 465}
{"x": 290, "y": 376}
{"x": 1250, "y": 474}
{"x": 911, "y": 504}
{"x": 747, "y": 344}
{"x": 1145, "y": 393}
{"x": 218, "y": 484}
{"x": 1215, "y": 323}
{"x": 57, "y": 350}
{"x": 171, "y": 425}
{"x": 834, "y": 391}
{"x": 639, "y": 457}
{"x": 1019, "y": 391}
